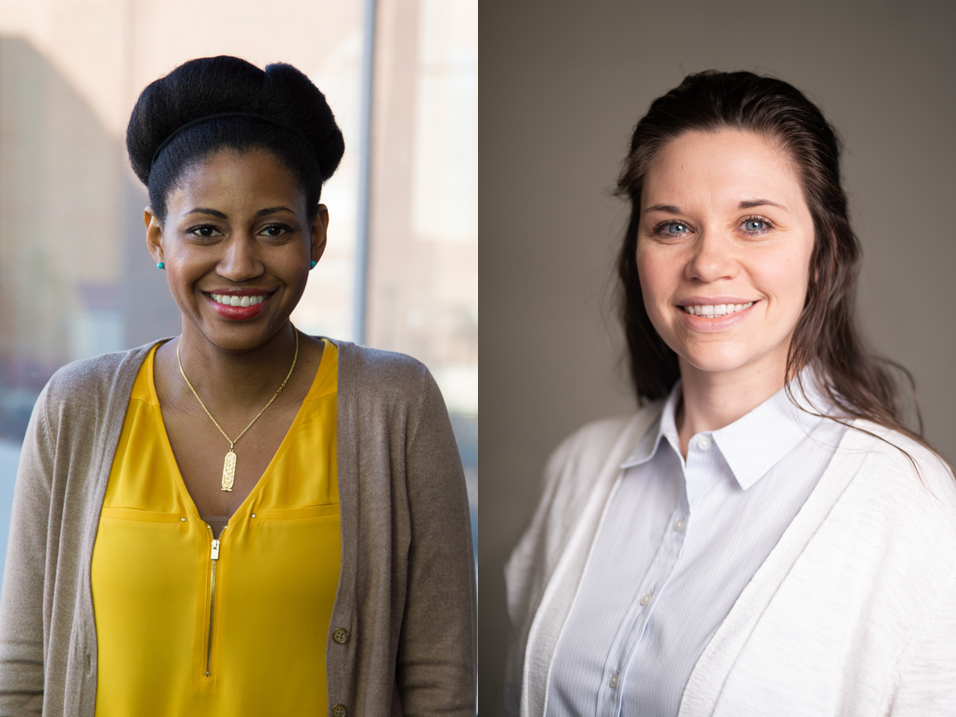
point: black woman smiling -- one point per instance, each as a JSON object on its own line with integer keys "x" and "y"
{"x": 242, "y": 520}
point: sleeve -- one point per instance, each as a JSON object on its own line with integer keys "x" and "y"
{"x": 526, "y": 567}
{"x": 926, "y": 672}
{"x": 437, "y": 652}
{"x": 21, "y": 604}
{"x": 527, "y": 572}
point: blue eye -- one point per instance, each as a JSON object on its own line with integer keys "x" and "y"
{"x": 671, "y": 229}
{"x": 755, "y": 225}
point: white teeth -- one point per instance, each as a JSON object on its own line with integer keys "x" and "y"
{"x": 715, "y": 310}
{"x": 228, "y": 300}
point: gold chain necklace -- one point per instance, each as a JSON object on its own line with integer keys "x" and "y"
{"x": 229, "y": 466}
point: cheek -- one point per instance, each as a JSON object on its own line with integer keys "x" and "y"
{"x": 787, "y": 279}
{"x": 656, "y": 276}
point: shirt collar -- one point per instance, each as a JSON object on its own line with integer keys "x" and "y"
{"x": 754, "y": 443}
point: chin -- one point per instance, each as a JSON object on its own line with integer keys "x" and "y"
{"x": 715, "y": 359}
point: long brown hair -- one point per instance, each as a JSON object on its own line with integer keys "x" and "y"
{"x": 826, "y": 336}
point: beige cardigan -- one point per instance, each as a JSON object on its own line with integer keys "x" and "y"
{"x": 406, "y": 592}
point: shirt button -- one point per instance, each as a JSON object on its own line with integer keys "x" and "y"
{"x": 339, "y": 711}
{"x": 704, "y": 442}
{"x": 646, "y": 599}
{"x": 613, "y": 681}
{"x": 679, "y": 525}
{"x": 341, "y": 636}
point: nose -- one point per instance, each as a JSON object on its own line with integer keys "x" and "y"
{"x": 241, "y": 261}
{"x": 712, "y": 258}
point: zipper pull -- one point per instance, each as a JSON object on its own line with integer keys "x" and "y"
{"x": 215, "y": 550}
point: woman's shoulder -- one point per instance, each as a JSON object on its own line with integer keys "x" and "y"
{"x": 89, "y": 385}
{"x": 610, "y": 438}
{"x": 899, "y": 457}
{"x": 388, "y": 376}
{"x": 378, "y": 364}
{"x": 907, "y": 484}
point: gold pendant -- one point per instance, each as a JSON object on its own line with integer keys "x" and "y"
{"x": 229, "y": 470}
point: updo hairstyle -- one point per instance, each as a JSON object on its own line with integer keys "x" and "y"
{"x": 826, "y": 336}
{"x": 293, "y": 121}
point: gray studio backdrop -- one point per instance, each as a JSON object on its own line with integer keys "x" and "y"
{"x": 562, "y": 84}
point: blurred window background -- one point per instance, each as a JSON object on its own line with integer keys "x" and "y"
{"x": 401, "y": 268}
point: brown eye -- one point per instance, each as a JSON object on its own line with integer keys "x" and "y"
{"x": 205, "y": 231}
{"x": 276, "y": 230}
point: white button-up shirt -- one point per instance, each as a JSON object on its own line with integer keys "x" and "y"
{"x": 678, "y": 543}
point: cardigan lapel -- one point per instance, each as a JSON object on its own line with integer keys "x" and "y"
{"x": 706, "y": 682}
{"x": 558, "y": 596}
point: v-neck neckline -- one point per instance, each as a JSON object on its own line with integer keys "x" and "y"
{"x": 246, "y": 504}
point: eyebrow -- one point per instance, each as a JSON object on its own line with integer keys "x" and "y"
{"x": 751, "y": 203}
{"x": 221, "y": 215}
{"x": 662, "y": 208}
{"x": 746, "y": 204}
{"x": 206, "y": 210}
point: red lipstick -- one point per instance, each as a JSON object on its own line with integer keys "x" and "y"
{"x": 238, "y": 313}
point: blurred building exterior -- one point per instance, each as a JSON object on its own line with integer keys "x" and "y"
{"x": 75, "y": 277}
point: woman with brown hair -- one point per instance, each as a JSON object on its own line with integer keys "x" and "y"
{"x": 764, "y": 536}
{"x": 244, "y": 519}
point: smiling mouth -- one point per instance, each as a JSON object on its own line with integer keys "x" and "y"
{"x": 711, "y": 311}
{"x": 230, "y": 300}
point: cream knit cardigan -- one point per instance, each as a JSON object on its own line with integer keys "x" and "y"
{"x": 852, "y": 614}
{"x": 406, "y": 591}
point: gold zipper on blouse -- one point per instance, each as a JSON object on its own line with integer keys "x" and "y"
{"x": 214, "y": 559}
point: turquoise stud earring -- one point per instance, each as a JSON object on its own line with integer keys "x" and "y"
{"x": 312, "y": 264}
{"x": 160, "y": 265}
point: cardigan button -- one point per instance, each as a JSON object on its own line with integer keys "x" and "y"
{"x": 341, "y": 636}
{"x": 339, "y": 711}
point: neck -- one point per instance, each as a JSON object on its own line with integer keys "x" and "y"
{"x": 712, "y": 399}
{"x": 232, "y": 379}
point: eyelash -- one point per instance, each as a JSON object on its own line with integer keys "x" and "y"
{"x": 195, "y": 231}
{"x": 286, "y": 229}
{"x": 755, "y": 218}
{"x": 659, "y": 229}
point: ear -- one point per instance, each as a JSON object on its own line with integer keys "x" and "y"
{"x": 154, "y": 234}
{"x": 319, "y": 233}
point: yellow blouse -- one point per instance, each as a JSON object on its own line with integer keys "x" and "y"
{"x": 189, "y": 625}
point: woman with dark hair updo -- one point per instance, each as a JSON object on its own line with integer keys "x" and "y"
{"x": 764, "y": 536}
{"x": 241, "y": 520}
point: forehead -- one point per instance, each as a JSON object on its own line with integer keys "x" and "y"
{"x": 726, "y": 165}
{"x": 229, "y": 175}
